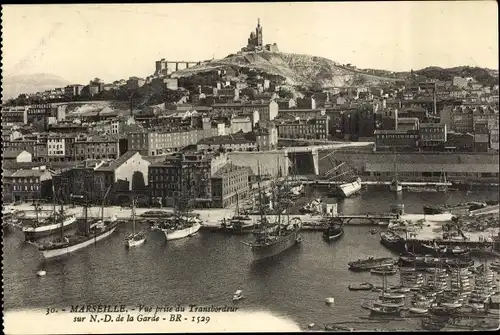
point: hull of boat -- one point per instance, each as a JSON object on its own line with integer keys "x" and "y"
{"x": 272, "y": 249}
{"x": 348, "y": 189}
{"x": 431, "y": 210}
{"x": 377, "y": 312}
{"x": 134, "y": 243}
{"x": 396, "y": 188}
{"x": 392, "y": 243}
{"x": 334, "y": 235}
{"x": 182, "y": 233}
{"x": 32, "y": 233}
{"x": 66, "y": 250}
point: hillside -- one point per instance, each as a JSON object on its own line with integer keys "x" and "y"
{"x": 12, "y": 86}
{"x": 484, "y": 76}
{"x": 296, "y": 70}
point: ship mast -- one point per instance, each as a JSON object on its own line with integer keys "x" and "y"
{"x": 133, "y": 217}
{"x": 261, "y": 206}
{"x": 62, "y": 220}
{"x": 103, "y": 200}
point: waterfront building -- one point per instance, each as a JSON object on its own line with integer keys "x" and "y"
{"x": 433, "y": 136}
{"x": 96, "y": 147}
{"x": 398, "y": 140}
{"x": 316, "y": 128}
{"x": 26, "y": 185}
{"x": 125, "y": 177}
{"x": 183, "y": 171}
{"x": 230, "y": 184}
{"x": 420, "y": 166}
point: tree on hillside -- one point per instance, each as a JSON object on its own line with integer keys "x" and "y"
{"x": 285, "y": 93}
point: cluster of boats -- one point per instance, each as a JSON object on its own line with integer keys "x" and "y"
{"x": 453, "y": 208}
{"x": 436, "y": 286}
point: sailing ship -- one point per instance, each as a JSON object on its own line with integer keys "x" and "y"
{"x": 183, "y": 224}
{"x": 272, "y": 238}
{"x": 395, "y": 185}
{"x": 86, "y": 235}
{"x": 134, "y": 239}
{"x": 348, "y": 182}
{"x": 388, "y": 304}
{"x": 38, "y": 229}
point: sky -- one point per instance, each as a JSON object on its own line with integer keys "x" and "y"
{"x": 81, "y": 42}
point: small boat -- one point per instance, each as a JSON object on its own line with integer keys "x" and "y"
{"x": 384, "y": 271}
{"x": 334, "y": 231}
{"x": 374, "y": 231}
{"x": 383, "y": 223}
{"x": 41, "y": 273}
{"x": 330, "y": 301}
{"x": 238, "y": 295}
{"x": 360, "y": 287}
{"x": 419, "y": 310}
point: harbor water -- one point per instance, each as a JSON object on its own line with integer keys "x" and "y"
{"x": 207, "y": 268}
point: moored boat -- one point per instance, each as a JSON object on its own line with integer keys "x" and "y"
{"x": 360, "y": 287}
{"x": 334, "y": 231}
{"x": 392, "y": 240}
{"x": 370, "y": 263}
{"x": 349, "y": 188}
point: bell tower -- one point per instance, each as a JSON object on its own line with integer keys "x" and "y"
{"x": 258, "y": 31}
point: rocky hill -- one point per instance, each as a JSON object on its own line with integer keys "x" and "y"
{"x": 296, "y": 70}
{"x": 14, "y": 85}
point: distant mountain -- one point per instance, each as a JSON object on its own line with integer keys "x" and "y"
{"x": 12, "y": 86}
{"x": 297, "y": 70}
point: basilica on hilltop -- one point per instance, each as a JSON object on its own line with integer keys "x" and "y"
{"x": 255, "y": 42}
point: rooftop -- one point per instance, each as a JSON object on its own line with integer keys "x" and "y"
{"x": 113, "y": 165}
{"x": 227, "y": 168}
{"x": 12, "y": 154}
{"x": 28, "y": 173}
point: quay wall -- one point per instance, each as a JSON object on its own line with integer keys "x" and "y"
{"x": 481, "y": 167}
